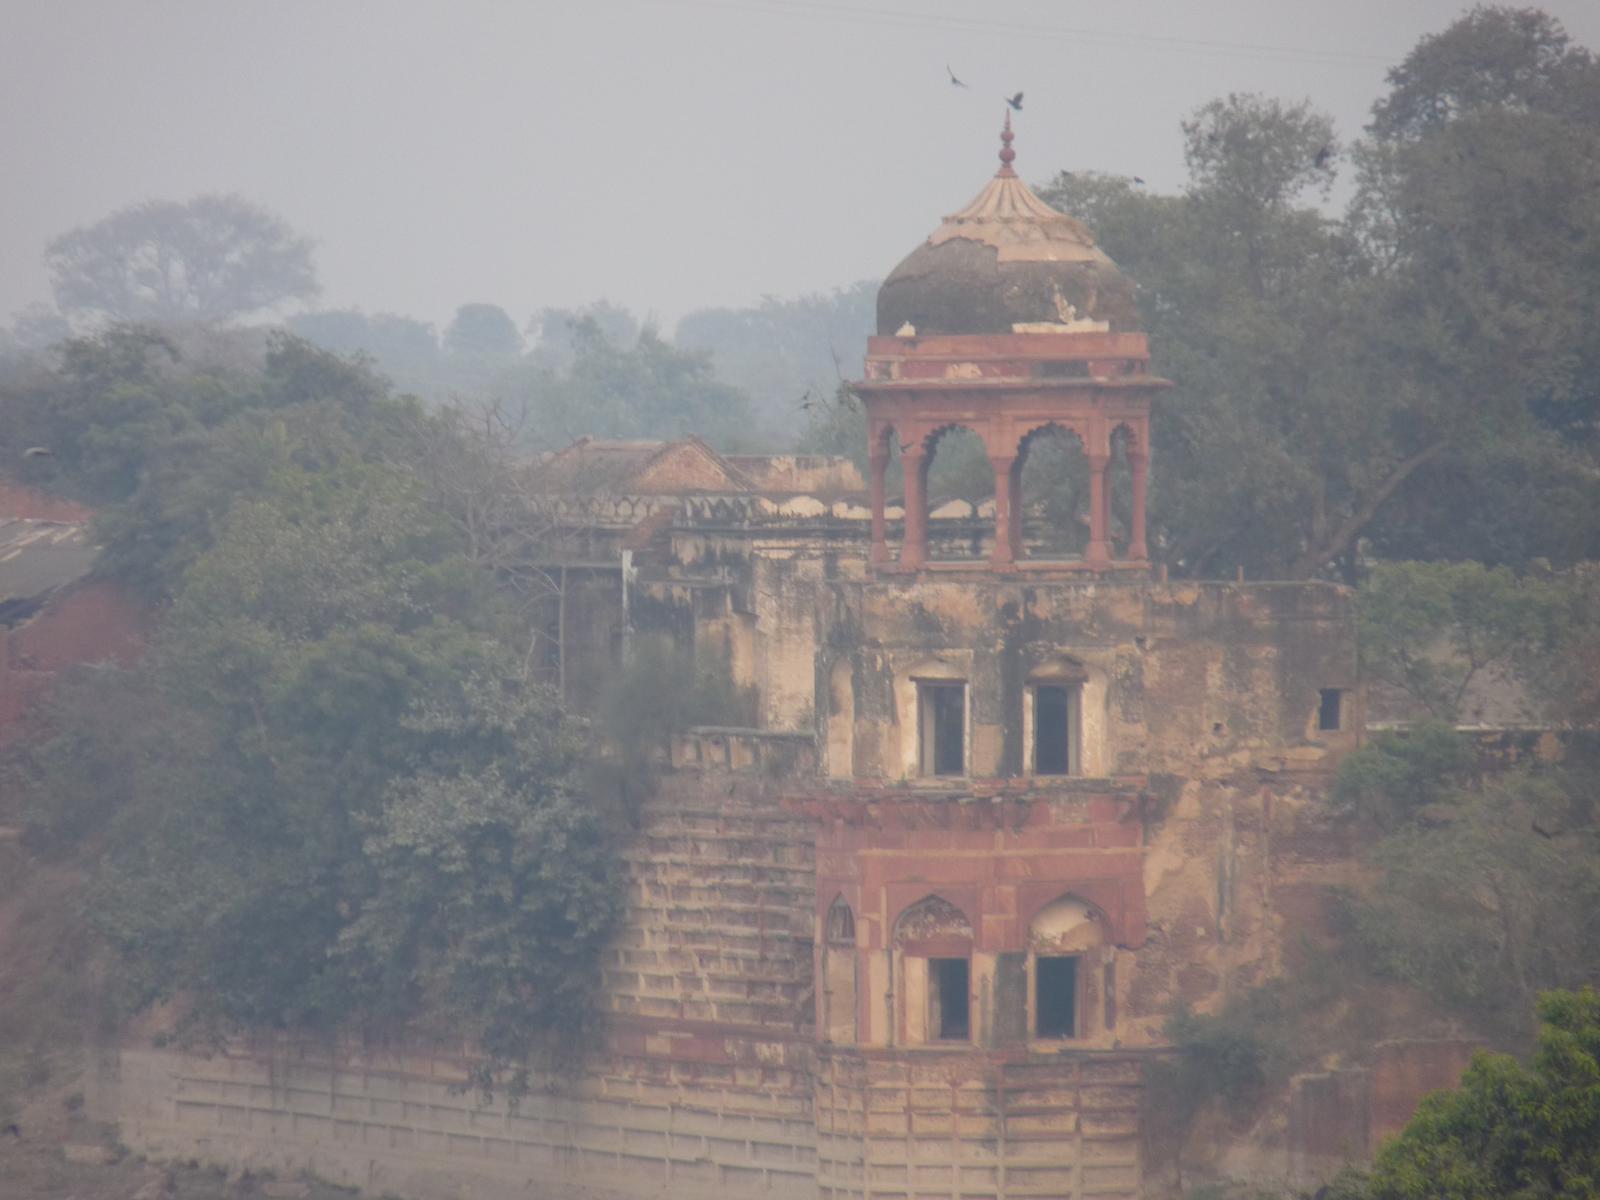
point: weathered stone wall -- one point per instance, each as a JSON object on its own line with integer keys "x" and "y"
{"x": 982, "y": 1127}
{"x": 703, "y": 1087}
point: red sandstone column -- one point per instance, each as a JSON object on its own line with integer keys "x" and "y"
{"x": 1138, "y": 460}
{"x": 878, "y": 466}
{"x": 1015, "y": 480}
{"x": 1098, "y": 553}
{"x": 914, "y": 547}
{"x": 1005, "y": 540}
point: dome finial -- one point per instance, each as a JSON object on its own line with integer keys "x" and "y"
{"x": 1007, "y": 154}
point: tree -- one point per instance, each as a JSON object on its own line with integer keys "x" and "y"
{"x": 348, "y": 803}
{"x": 1493, "y": 900}
{"x": 647, "y": 390}
{"x": 1510, "y": 1129}
{"x": 213, "y": 258}
{"x": 404, "y": 349}
{"x": 790, "y": 355}
{"x": 1477, "y": 203}
{"x": 1277, "y": 446}
{"x": 483, "y": 334}
{"x": 1430, "y": 630}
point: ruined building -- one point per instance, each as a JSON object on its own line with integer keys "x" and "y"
{"x": 915, "y": 931}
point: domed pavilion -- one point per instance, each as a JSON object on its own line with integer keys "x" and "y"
{"x": 1008, "y": 321}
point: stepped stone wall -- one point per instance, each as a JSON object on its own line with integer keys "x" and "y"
{"x": 702, "y": 1089}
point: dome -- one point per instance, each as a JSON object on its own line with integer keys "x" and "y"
{"x": 1007, "y": 260}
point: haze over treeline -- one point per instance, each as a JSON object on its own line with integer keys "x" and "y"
{"x": 1415, "y": 374}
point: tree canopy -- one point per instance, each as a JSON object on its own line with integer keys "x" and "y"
{"x": 213, "y": 258}
{"x": 1413, "y": 378}
{"x": 332, "y": 792}
{"x": 1510, "y": 1129}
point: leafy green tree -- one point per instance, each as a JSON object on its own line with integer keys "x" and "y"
{"x": 1492, "y": 901}
{"x": 787, "y": 355}
{"x": 404, "y": 349}
{"x": 1397, "y": 774}
{"x": 348, "y": 803}
{"x": 213, "y": 258}
{"x": 1277, "y": 449}
{"x": 483, "y": 335}
{"x": 1477, "y": 203}
{"x": 1509, "y": 1129}
{"x": 1431, "y": 629}
{"x": 647, "y": 390}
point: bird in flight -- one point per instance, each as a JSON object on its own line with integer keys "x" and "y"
{"x": 38, "y": 452}
{"x": 1015, "y": 102}
{"x": 1323, "y": 156}
{"x": 954, "y": 82}
{"x": 1138, "y": 181}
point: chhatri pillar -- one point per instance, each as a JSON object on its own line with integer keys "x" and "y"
{"x": 1007, "y": 321}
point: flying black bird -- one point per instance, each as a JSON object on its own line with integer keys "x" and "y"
{"x": 1323, "y": 156}
{"x": 954, "y": 82}
{"x": 1138, "y": 181}
{"x": 11, "y": 1130}
{"x": 1015, "y": 102}
{"x": 38, "y": 452}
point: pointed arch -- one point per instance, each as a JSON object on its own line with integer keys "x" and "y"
{"x": 839, "y": 929}
{"x": 932, "y": 918}
{"x": 1053, "y": 490}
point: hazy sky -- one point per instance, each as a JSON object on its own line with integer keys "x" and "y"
{"x": 665, "y": 154}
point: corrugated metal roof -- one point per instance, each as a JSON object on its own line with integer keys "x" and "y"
{"x": 37, "y": 557}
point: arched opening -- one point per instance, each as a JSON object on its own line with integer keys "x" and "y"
{"x": 1119, "y": 489}
{"x": 932, "y": 944}
{"x": 839, "y": 973}
{"x": 1064, "y": 939}
{"x": 960, "y": 496}
{"x": 1053, "y": 501}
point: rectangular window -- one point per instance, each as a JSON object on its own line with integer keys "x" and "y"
{"x": 948, "y": 986}
{"x": 1329, "y": 710}
{"x": 1055, "y": 729}
{"x": 1055, "y": 996}
{"x": 942, "y": 724}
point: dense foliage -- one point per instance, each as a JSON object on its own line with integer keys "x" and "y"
{"x": 330, "y": 793}
{"x": 1416, "y": 376}
{"x": 1528, "y": 1130}
{"x": 1487, "y": 882}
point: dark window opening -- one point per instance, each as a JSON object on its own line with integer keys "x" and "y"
{"x": 1054, "y": 722}
{"x": 841, "y": 925}
{"x": 1055, "y": 998}
{"x": 948, "y": 1017}
{"x": 943, "y": 721}
{"x": 1329, "y": 707}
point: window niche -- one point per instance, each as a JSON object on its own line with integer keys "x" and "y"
{"x": 1065, "y": 941}
{"x": 949, "y": 1006}
{"x": 1055, "y": 996}
{"x": 932, "y": 946}
{"x": 1330, "y": 710}
{"x": 1054, "y": 719}
{"x": 941, "y": 727}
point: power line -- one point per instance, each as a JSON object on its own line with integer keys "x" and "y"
{"x": 899, "y": 18}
